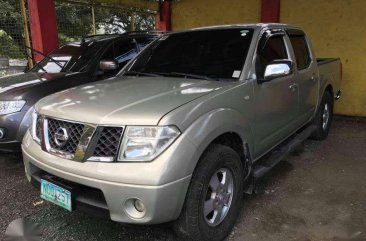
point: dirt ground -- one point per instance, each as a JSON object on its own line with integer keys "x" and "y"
{"x": 316, "y": 194}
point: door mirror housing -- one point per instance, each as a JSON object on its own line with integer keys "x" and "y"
{"x": 277, "y": 68}
{"x": 108, "y": 65}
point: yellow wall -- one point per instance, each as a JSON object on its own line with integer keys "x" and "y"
{"x": 337, "y": 28}
{"x": 198, "y": 13}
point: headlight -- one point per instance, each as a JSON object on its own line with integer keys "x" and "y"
{"x": 34, "y": 126}
{"x": 143, "y": 143}
{"x": 8, "y": 107}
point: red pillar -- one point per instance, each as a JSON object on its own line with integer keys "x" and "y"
{"x": 270, "y": 11}
{"x": 42, "y": 18}
{"x": 163, "y": 18}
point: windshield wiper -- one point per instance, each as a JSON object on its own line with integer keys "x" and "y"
{"x": 48, "y": 57}
{"x": 137, "y": 73}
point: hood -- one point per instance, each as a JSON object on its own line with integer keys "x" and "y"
{"x": 125, "y": 100}
{"x": 25, "y": 80}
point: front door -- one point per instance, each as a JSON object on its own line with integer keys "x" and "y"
{"x": 276, "y": 101}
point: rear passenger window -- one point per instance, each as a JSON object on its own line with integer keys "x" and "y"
{"x": 274, "y": 49}
{"x": 301, "y": 50}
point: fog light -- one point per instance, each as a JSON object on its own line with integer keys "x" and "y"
{"x": 139, "y": 205}
{"x": 135, "y": 208}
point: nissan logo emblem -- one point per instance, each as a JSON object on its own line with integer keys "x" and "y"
{"x": 61, "y": 137}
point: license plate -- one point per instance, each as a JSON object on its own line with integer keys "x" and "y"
{"x": 56, "y": 194}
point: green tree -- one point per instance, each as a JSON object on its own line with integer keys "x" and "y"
{"x": 73, "y": 21}
{"x": 11, "y": 29}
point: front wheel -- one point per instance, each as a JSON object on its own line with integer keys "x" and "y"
{"x": 214, "y": 197}
{"x": 323, "y": 118}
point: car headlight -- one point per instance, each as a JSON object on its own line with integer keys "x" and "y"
{"x": 144, "y": 143}
{"x": 34, "y": 126}
{"x": 12, "y": 106}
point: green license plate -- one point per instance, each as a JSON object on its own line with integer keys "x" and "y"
{"x": 56, "y": 194}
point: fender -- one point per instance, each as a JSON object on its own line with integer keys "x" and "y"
{"x": 217, "y": 122}
{"x": 209, "y": 126}
{"x": 25, "y": 124}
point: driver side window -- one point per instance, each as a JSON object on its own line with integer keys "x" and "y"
{"x": 274, "y": 49}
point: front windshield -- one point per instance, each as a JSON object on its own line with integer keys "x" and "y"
{"x": 51, "y": 66}
{"x": 213, "y": 53}
{"x": 68, "y": 58}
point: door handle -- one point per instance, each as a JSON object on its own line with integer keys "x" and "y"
{"x": 313, "y": 78}
{"x": 293, "y": 87}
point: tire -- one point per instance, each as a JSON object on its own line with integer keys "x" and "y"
{"x": 323, "y": 118}
{"x": 222, "y": 164}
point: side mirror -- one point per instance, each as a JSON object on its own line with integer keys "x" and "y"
{"x": 277, "y": 68}
{"x": 108, "y": 65}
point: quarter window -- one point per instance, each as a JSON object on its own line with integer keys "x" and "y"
{"x": 301, "y": 51}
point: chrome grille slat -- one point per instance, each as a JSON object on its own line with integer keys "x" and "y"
{"x": 108, "y": 142}
{"x": 83, "y": 141}
{"x": 39, "y": 128}
{"x": 75, "y": 131}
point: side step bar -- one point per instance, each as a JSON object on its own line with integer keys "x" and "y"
{"x": 263, "y": 166}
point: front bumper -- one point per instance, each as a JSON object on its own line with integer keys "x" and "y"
{"x": 163, "y": 202}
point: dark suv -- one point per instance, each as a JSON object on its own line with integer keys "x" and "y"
{"x": 93, "y": 58}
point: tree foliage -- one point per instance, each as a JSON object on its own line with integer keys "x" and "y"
{"x": 74, "y": 21}
{"x": 11, "y": 29}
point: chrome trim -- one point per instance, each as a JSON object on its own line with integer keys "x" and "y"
{"x": 109, "y": 158}
{"x": 61, "y": 139}
{"x": 101, "y": 158}
{"x": 84, "y": 141}
{"x": 34, "y": 127}
{"x": 88, "y": 133}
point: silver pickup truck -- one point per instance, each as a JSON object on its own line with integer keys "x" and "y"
{"x": 185, "y": 129}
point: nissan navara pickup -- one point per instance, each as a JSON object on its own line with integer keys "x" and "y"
{"x": 185, "y": 129}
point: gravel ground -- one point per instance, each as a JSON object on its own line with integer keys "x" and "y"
{"x": 316, "y": 194}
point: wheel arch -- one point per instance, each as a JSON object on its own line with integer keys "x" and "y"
{"x": 329, "y": 88}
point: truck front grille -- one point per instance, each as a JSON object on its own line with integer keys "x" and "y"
{"x": 39, "y": 128}
{"x": 74, "y": 131}
{"x": 108, "y": 142}
{"x": 78, "y": 141}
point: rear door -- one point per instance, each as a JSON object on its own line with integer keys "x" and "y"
{"x": 276, "y": 101}
{"x": 307, "y": 76}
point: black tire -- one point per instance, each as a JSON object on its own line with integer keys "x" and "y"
{"x": 322, "y": 131}
{"x": 192, "y": 222}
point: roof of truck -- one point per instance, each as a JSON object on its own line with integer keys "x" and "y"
{"x": 244, "y": 25}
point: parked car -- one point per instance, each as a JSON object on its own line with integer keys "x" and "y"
{"x": 94, "y": 58}
{"x": 185, "y": 129}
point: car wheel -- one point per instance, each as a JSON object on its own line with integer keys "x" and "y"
{"x": 213, "y": 200}
{"x": 323, "y": 118}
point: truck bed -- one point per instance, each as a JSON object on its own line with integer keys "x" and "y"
{"x": 322, "y": 61}
{"x": 330, "y": 72}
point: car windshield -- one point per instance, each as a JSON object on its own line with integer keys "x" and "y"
{"x": 69, "y": 58}
{"x": 206, "y": 54}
